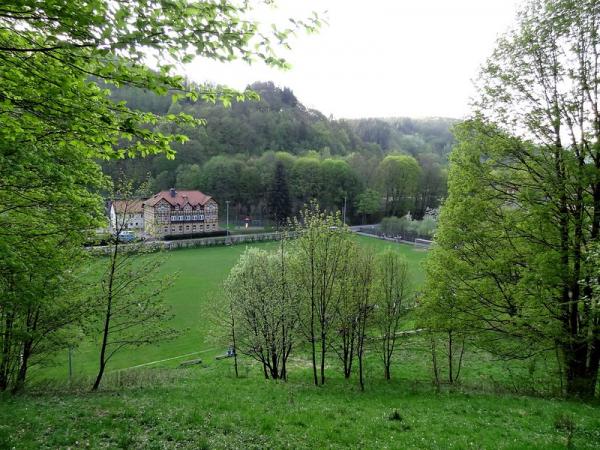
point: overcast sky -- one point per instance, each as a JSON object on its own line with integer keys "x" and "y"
{"x": 380, "y": 58}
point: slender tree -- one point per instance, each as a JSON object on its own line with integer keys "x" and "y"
{"x": 354, "y": 307}
{"x": 130, "y": 299}
{"x": 391, "y": 304}
{"x": 322, "y": 248}
{"x": 364, "y": 273}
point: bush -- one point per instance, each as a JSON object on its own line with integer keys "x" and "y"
{"x": 408, "y": 228}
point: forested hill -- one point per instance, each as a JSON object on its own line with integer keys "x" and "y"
{"x": 412, "y": 136}
{"x": 249, "y": 135}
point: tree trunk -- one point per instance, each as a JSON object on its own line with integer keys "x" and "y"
{"x": 323, "y": 344}
{"x": 360, "y": 371}
{"x": 5, "y": 362}
{"x": 436, "y": 374}
{"x": 314, "y": 352}
{"x": 107, "y": 317}
{"x": 99, "y": 376}
{"x": 450, "y": 374}
{"x": 235, "y": 360}
{"x": 312, "y": 322}
{"x": 386, "y": 370}
{"x": 582, "y": 370}
{"x": 21, "y": 375}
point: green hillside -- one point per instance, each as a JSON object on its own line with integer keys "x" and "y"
{"x": 205, "y": 406}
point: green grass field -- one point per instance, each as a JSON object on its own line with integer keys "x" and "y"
{"x": 205, "y": 407}
{"x": 200, "y": 273}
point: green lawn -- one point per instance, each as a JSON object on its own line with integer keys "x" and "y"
{"x": 205, "y": 407}
{"x": 200, "y": 273}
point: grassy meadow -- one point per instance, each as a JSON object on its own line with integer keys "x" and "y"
{"x": 200, "y": 274}
{"x": 205, "y": 407}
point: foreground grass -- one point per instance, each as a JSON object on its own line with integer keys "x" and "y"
{"x": 205, "y": 407}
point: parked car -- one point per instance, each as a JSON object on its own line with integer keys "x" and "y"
{"x": 126, "y": 236}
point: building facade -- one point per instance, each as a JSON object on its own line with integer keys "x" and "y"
{"x": 127, "y": 215}
{"x": 173, "y": 212}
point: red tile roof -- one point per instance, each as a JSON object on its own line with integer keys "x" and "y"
{"x": 194, "y": 198}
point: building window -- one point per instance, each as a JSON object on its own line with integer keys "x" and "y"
{"x": 180, "y": 227}
{"x": 166, "y": 229}
{"x": 172, "y": 228}
{"x": 193, "y": 227}
{"x": 187, "y": 228}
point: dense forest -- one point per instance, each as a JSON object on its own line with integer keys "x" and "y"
{"x": 375, "y": 166}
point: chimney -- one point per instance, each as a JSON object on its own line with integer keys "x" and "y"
{"x": 173, "y": 192}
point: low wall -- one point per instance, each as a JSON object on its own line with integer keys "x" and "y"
{"x": 376, "y": 234}
{"x": 220, "y": 240}
{"x": 189, "y": 243}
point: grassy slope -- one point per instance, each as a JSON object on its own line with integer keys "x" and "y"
{"x": 204, "y": 407}
{"x": 201, "y": 272}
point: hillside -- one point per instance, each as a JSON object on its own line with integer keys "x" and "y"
{"x": 161, "y": 405}
{"x": 233, "y": 156}
{"x": 206, "y": 408}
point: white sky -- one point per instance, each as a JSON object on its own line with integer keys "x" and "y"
{"x": 380, "y": 58}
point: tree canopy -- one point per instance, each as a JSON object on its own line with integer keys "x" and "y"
{"x": 518, "y": 232}
{"x": 58, "y": 61}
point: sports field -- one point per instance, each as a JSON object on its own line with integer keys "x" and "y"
{"x": 199, "y": 276}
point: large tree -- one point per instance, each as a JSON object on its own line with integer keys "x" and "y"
{"x": 523, "y": 212}
{"x": 398, "y": 179}
{"x": 57, "y": 118}
{"x": 264, "y": 305}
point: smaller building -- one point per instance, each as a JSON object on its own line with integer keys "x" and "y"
{"x": 127, "y": 215}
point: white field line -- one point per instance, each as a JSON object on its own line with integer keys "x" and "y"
{"x": 167, "y": 359}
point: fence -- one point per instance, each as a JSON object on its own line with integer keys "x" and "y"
{"x": 413, "y": 240}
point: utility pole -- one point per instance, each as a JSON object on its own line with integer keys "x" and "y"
{"x": 227, "y": 202}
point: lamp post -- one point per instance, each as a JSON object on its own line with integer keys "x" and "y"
{"x": 227, "y": 203}
{"x": 344, "y": 210}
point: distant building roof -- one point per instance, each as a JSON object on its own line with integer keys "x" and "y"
{"x": 180, "y": 198}
{"x": 132, "y": 206}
